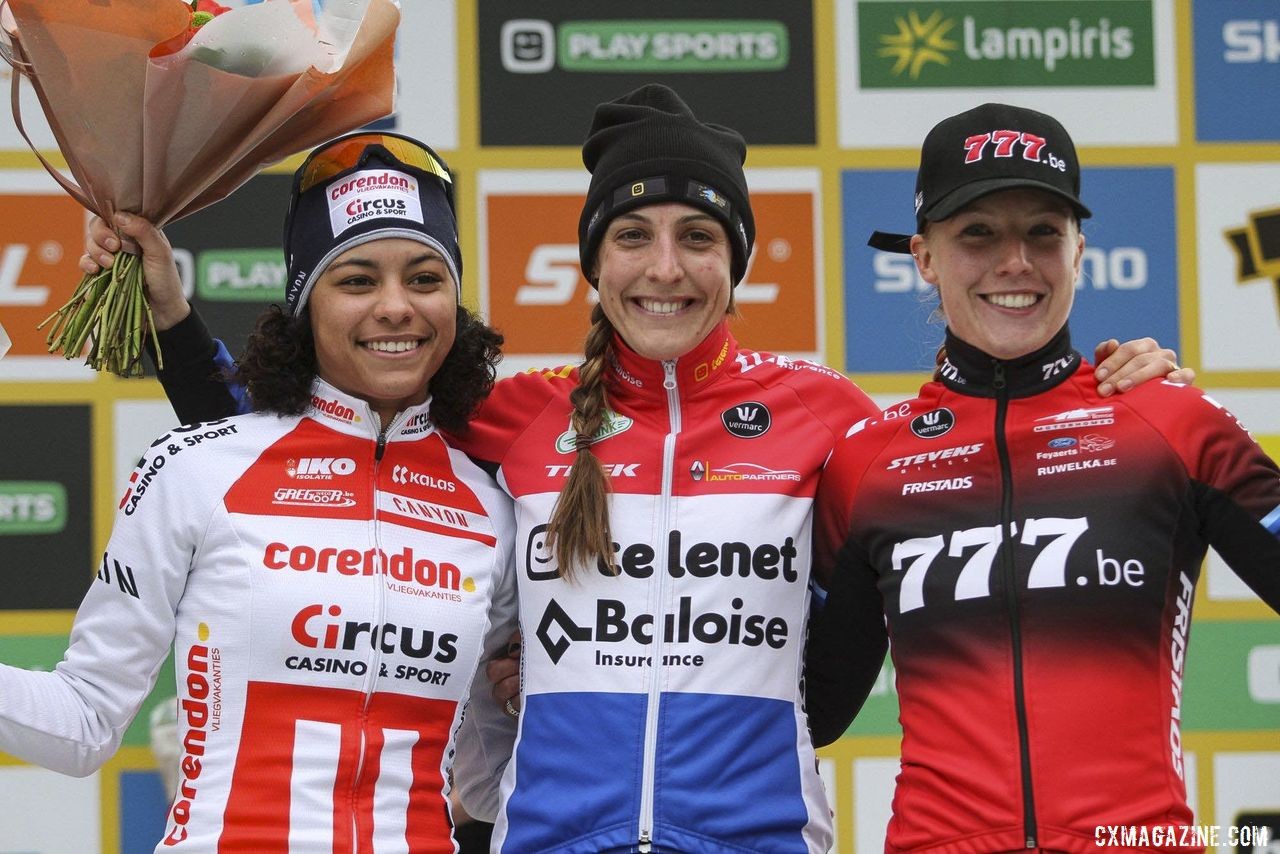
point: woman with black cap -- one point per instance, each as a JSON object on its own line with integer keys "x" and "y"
{"x": 1033, "y": 546}
{"x": 329, "y": 571}
{"x": 663, "y": 497}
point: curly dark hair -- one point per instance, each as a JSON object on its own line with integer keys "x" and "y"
{"x": 279, "y": 364}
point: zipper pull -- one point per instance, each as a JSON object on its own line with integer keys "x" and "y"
{"x": 998, "y": 382}
{"x": 646, "y": 843}
{"x": 669, "y": 378}
{"x": 382, "y": 446}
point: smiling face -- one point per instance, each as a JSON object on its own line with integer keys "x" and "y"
{"x": 384, "y": 316}
{"x": 663, "y": 278}
{"x": 1005, "y": 267}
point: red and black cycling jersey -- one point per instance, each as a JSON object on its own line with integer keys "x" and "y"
{"x": 1033, "y": 549}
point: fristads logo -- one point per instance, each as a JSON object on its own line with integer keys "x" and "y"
{"x": 32, "y": 507}
{"x": 531, "y": 46}
{"x": 611, "y": 424}
{"x": 747, "y": 420}
{"x": 241, "y": 275}
{"x": 932, "y": 424}
{"x": 1015, "y": 43}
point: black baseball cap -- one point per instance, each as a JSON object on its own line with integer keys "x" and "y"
{"x": 985, "y": 150}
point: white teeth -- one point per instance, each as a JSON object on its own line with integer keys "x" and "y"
{"x": 660, "y": 307}
{"x": 392, "y": 346}
{"x": 1012, "y": 300}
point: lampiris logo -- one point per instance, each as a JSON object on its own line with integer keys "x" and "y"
{"x": 557, "y": 630}
{"x": 1029, "y": 42}
{"x": 319, "y": 627}
{"x": 767, "y": 561}
{"x": 747, "y": 420}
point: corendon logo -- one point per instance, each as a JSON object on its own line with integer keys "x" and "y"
{"x": 335, "y": 409}
{"x": 402, "y": 566}
{"x": 317, "y": 627}
{"x": 195, "y": 711}
{"x": 373, "y": 193}
{"x": 320, "y": 468}
{"x": 535, "y": 291}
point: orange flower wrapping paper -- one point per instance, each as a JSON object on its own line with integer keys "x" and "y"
{"x": 165, "y": 137}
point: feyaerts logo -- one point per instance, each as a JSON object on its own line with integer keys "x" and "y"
{"x": 1008, "y": 43}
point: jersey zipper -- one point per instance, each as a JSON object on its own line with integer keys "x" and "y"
{"x": 655, "y": 673}
{"x": 1008, "y": 529}
{"x": 379, "y": 615}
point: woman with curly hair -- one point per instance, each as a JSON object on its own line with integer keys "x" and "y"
{"x": 328, "y": 569}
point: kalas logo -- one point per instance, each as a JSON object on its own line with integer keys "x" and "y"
{"x": 406, "y": 475}
{"x": 320, "y": 468}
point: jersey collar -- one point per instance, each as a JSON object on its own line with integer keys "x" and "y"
{"x": 347, "y": 413}
{"x": 969, "y": 370}
{"x": 695, "y": 370}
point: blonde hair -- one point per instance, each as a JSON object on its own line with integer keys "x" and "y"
{"x": 578, "y": 531}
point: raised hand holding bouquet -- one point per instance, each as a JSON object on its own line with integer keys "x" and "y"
{"x": 161, "y": 107}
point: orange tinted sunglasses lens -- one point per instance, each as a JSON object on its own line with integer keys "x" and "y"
{"x": 344, "y": 154}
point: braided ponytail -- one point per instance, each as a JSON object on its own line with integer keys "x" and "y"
{"x": 578, "y": 533}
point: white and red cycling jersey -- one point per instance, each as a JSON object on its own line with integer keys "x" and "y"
{"x": 328, "y": 589}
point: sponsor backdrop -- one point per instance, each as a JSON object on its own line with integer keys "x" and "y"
{"x": 1172, "y": 104}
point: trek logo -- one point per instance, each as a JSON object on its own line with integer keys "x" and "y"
{"x": 557, "y": 630}
{"x": 532, "y": 46}
{"x": 320, "y": 468}
{"x": 905, "y": 45}
{"x": 1251, "y": 42}
{"x": 766, "y": 561}
{"x": 747, "y": 420}
{"x": 931, "y": 425}
{"x": 611, "y": 424}
{"x": 1074, "y": 418}
{"x": 405, "y": 475}
{"x": 318, "y": 627}
{"x": 610, "y": 470}
{"x": 960, "y": 452}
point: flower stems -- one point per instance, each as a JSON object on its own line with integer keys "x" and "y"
{"x": 110, "y": 308}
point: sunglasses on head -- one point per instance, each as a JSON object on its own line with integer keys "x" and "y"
{"x": 348, "y": 152}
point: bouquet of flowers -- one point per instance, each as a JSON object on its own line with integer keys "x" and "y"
{"x": 161, "y": 107}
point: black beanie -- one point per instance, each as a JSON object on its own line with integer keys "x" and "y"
{"x": 380, "y": 197}
{"x": 648, "y": 147}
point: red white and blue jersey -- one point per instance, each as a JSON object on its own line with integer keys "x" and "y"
{"x": 662, "y": 707}
{"x": 328, "y": 589}
{"x": 1035, "y": 550}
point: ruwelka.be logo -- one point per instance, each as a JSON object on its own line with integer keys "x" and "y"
{"x": 533, "y": 46}
{"x": 1007, "y": 43}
